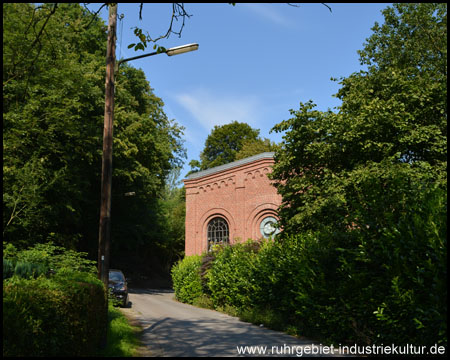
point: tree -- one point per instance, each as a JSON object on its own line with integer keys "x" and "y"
{"x": 252, "y": 147}
{"x": 52, "y": 130}
{"x": 395, "y": 113}
{"x": 147, "y": 147}
{"x": 222, "y": 145}
{"x": 370, "y": 182}
{"x": 174, "y": 205}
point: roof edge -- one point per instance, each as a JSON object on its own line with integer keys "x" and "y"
{"x": 231, "y": 165}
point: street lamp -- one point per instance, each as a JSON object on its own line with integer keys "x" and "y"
{"x": 106, "y": 182}
{"x": 181, "y": 49}
{"x": 170, "y": 52}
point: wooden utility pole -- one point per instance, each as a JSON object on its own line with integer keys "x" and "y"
{"x": 105, "y": 206}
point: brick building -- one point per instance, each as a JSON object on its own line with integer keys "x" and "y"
{"x": 230, "y": 203}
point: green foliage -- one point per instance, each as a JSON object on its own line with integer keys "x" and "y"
{"x": 230, "y": 279}
{"x": 413, "y": 255}
{"x": 52, "y": 120}
{"x": 370, "y": 182}
{"x": 27, "y": 270}
{"x": 203, "y": 301}
{"x": 369, "y": 284}
{"x": 53, "y": 113}
{"x": 50, "y": 257}
{"x": 186, "y": 279}
{"x": 53, "y": 303}
{"x": 393, "y": 113}
{"x": 252, "y": 147}
{"x": 173, "y": 205}
{"x": 363, "y": 253}
{"x": 61, "y": 316}
{"x": 8, "y": 268}
{"x": 222, "y": 145}
{"x": 121, "y": 338}
{"x": 147, "y": 150}
{"x": 346, "y": 288}
{"x": 178, "y": 12}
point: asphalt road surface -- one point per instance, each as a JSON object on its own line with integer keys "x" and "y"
{"x": 174, "y": 329}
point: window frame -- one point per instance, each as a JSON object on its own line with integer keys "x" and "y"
{"x": 218, "y": 235}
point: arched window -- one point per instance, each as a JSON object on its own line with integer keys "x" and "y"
{"x": 217, "y": 232}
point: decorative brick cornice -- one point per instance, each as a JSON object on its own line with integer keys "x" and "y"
{"x": 229, "y": 166}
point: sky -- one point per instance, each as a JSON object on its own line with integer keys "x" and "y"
{"x": 255, "y": 61}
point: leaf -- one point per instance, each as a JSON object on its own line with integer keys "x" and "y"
{"x": 161, "y": 49}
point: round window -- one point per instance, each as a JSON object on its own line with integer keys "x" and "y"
{"x": 268, "y": 227}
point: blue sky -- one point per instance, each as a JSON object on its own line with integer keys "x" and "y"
{"x": 255, "y": 62}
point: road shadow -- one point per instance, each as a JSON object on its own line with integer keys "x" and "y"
{"x": 173, "y": 329}
{"x": 214, "y": 337}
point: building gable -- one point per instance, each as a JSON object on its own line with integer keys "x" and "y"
{"x": 240, "y": 193}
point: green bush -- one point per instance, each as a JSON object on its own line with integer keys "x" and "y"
{"x": 381, "y": 280}
{"x": 291, "y": 279}
{"x": 388, "y": 273}
{"x": 375, "y": 284}
{"x": 28, "y": 270}
{"x": 203, "y": 301}
{"x": 230, "y": 278}
{"x": 44, "y": 259}
{"x": 414, "y": 254}
{"x": 53, "y": 303}
{"x": 8, "y": 268}
{"x": 52, "y": 257}
{"x": 61, "y": 316}
{"x": 186, "y": 279}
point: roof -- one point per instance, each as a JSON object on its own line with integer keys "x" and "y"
{"x": 216, "y": 169}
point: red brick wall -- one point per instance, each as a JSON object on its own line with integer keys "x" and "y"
{"x": 242, "y": 195}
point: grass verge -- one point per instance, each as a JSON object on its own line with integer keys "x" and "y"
{"x": 122, "y": 338}
{"x": 256, "y": 316}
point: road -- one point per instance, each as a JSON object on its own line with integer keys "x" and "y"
{"x": 174, "y": 329}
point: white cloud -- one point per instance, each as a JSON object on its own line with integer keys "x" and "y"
{"x": 210, "y": 109}
{"x": 269, "y": 12}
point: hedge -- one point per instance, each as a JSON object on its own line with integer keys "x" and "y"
{"x": 53, "y": 303}
{"x": 59, "y": 316}
{"x": 186, "y": 279}
{"x": 365, "y": 286}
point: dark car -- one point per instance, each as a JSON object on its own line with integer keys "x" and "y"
{"x": 118, "y": 286}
